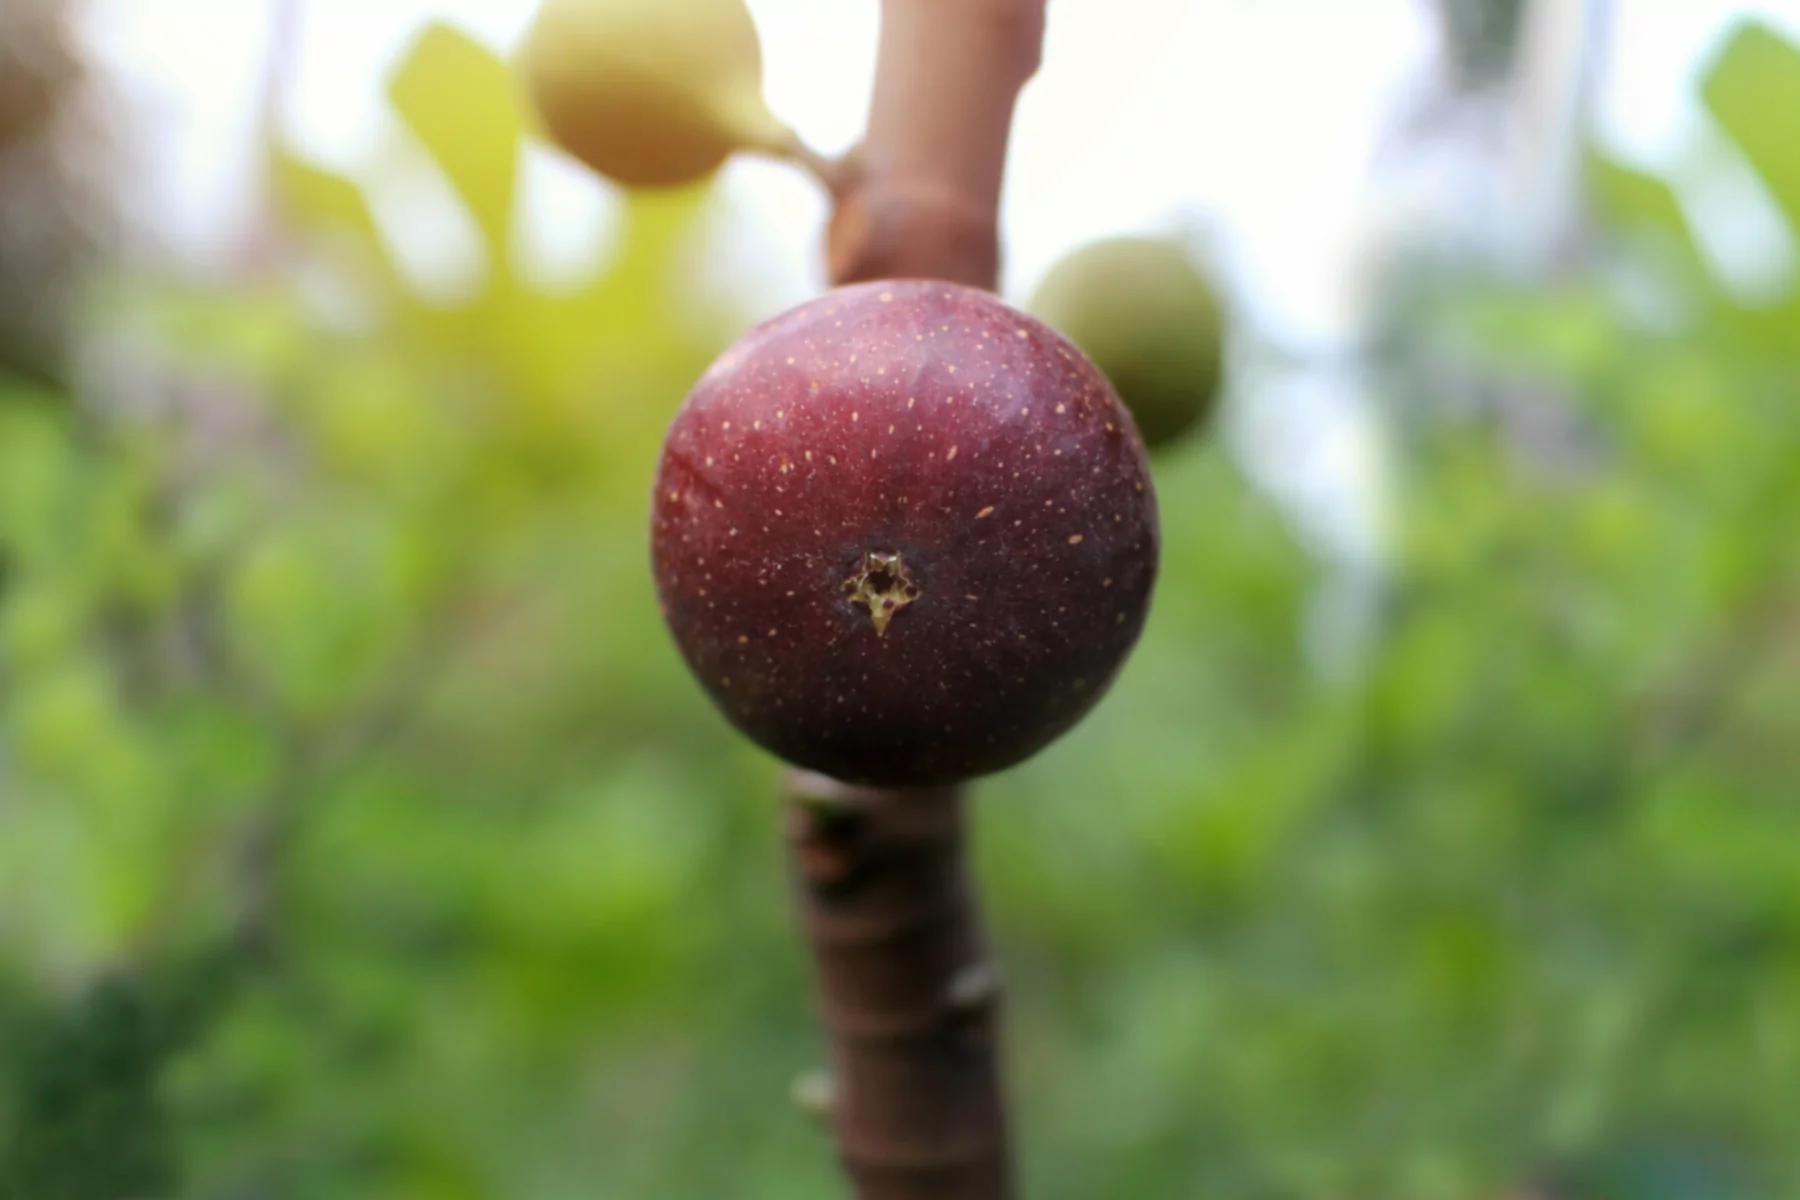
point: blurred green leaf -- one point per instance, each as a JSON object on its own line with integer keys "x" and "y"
{"x": 319, "y": 197}
{"x": 1642, "y": 206}
{"x": 1752, "y": 83}
{"x": 458, "y": 98}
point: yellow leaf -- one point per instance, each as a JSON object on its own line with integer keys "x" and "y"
{"x": 457, "y": 97}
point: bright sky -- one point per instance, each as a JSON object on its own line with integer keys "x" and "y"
{"x": 1257, "y": 128}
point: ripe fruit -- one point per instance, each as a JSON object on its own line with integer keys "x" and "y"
{"x": 904, "y": 534}
{"x": 650, "y": 93}
{"x": 1138, "y": 307}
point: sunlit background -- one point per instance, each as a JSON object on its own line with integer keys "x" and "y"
{"x": 1366, "y": 132}
{"x": 361, "y": 833}
{"x": 1137, "y": 119}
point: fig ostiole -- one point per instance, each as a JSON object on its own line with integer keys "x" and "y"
{"x": 904, "y": 534}
{"x": 650, "y": 93}
{"x": 1152, "y": 322}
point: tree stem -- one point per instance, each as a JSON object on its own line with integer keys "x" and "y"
{"x": 909, "y": 994}
{"x": 926, "y": 201}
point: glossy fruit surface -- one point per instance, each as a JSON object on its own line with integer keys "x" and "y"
{"x": 649, "y": 93}
{"x": 904, "y": 534}
{"x": 1151, "y": 322}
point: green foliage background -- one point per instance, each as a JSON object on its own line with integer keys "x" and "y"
{"x": 362, "y": 835}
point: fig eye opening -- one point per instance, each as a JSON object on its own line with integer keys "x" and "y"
{"x": 883, "y": 585}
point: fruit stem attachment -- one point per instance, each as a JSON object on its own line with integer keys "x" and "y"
{"x": 909, "y": 995}
{"x": 911, "y": 999}
{"x": 925, "y": 204}
{"x": 838, "y": 176}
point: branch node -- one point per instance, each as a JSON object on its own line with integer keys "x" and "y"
{"x": 974, "y": 989}
{"x": 902, "y": 229}
{"x": 827, "y": 821}
{"x": 823, "y": 797}
{"x": 815, "y": 1094}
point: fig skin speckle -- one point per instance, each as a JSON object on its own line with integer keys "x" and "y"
{"x": 904, "y": 534}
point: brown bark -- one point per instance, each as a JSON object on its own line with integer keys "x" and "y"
{"x": 909, "y": 993}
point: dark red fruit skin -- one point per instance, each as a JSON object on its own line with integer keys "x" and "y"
{"x": 932, "y": 421}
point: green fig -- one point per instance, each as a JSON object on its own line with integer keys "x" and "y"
{"x": 650, "y": 93}
{"x": 1141, "y": 309}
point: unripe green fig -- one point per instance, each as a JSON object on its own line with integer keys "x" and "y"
{"x": 650, "y": 93}
{"x": 1143, "y": 312}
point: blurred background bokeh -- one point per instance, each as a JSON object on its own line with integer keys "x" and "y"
{"x": 362, "y": 835}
